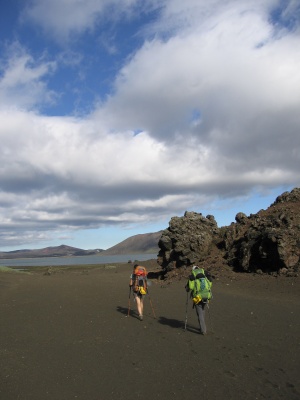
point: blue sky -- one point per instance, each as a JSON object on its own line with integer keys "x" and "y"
{"x": 117, "y": 116}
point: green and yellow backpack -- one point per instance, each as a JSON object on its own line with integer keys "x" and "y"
{"x": 200, "y": 286}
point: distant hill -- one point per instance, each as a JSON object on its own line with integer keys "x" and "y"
{"x": 57, "y": 251}
{"x": 137, "y": 244}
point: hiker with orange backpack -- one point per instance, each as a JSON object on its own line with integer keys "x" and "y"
{"x": 138, "y": 285}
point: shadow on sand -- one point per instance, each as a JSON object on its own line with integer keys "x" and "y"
{"x": 173, "y": 323}
{"x": 124, "y": 311}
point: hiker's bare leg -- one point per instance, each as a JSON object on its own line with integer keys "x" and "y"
{"x": 140, "y": 305}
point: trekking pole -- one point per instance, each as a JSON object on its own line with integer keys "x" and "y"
{"x": 129, "y": 302}
{"x": 210, "y": 318}
{"x": 186, "y": 310}
{"x": 151, "y": 303}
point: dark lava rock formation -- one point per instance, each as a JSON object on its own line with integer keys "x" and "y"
{"x": 266, "y": 242}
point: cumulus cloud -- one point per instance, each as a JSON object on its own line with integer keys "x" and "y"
{"x": 63, "y": 173}
{"x": 22, "y": 79}
{"x": 63, "y": 18}
{"x": 207, "y": 108}
{"x": 243, "y": 81}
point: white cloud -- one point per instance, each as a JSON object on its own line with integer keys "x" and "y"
{"x": 64, "y": 18}
{"x": 22, "y": 82}
{"x": 208, "y": 107}
{"x": 242, "y": 80}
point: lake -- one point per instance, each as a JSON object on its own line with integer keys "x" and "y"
{"x": 82, "y": 260}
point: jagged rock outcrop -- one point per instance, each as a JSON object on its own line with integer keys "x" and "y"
{"x": 266, "y": 242}
{"x": 187, "y": 239}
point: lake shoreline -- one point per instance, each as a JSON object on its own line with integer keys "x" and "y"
{"x": 78, "y": 260}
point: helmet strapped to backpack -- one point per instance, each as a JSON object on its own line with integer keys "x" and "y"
{"x": 140, "y": 270}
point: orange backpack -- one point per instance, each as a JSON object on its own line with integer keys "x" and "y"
{"x": 139, "y": 279}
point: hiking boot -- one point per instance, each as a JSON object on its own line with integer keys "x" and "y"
{"x": 141, "y": 317}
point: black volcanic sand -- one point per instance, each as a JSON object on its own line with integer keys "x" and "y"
{"x": 67, "y": 336}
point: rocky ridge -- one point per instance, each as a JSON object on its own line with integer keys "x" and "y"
{"x": 264, "y": 243}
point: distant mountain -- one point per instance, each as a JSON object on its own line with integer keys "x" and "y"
{"x": 58, "y": 251}
{"x": 137, "y": 244}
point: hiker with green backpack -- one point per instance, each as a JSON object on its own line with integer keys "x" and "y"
{"x": 200, "y": 287}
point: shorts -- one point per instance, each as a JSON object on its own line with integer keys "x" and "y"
{"x": 138, "y": 294}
